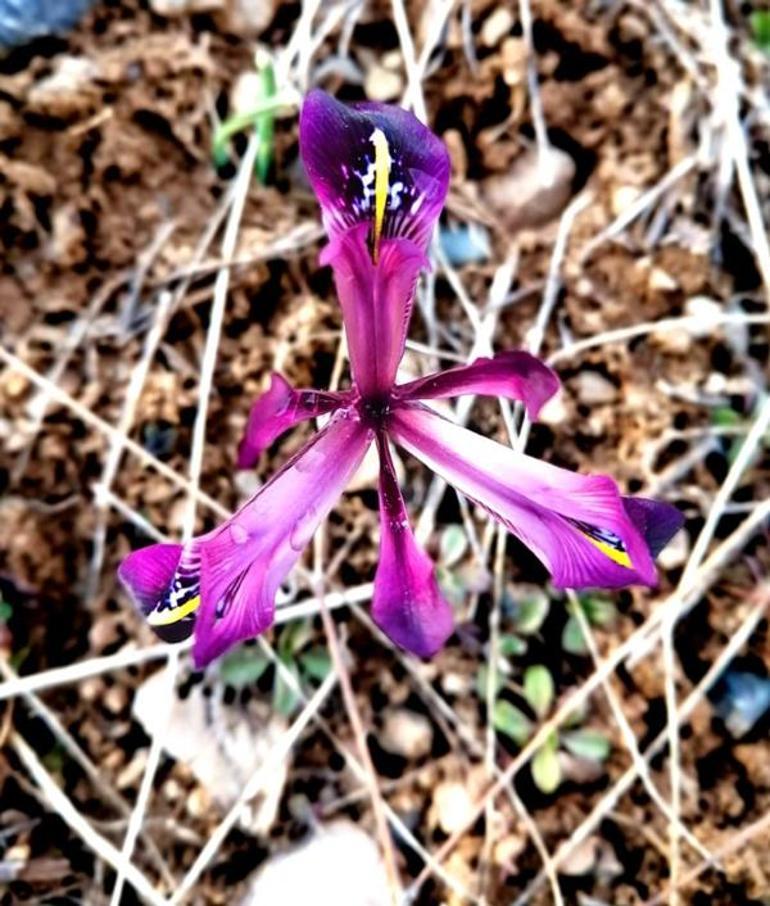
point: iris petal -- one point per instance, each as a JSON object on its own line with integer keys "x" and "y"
{"x": 278, "y": 409}
{"x": 578, "y": 525}
{"x": 162, "y": 580}
{"x": 376, "y": 302}
{"x": 514, "y": 374}
{"x": 223, "y": 584}
{"x": 338, "y": 143}
{"x": 407, "y": 603}
{"x": 244, "y": 561}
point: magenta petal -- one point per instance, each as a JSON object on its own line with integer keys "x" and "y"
{"x": 407, "y": 603}
{"x": 514, "y": 374}
{"x": 162, "y": 581}
{"x": 244, "y": 561}
{"x": 376, "y": 303}
{"x": 147, "y": 572}
{"x": 578, "y": 525}
{"x": 278, "y": 409}
{"x": 338, "y": 152}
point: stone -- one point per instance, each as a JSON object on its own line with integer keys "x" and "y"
{"x": 382, "y": 84}
{"x": 452, "y": 806}
{"x": 339, "y": 864}
{"x": 594, "y": 389}
{"x": 407, "y": 733}
{"x": 496, "y": 26}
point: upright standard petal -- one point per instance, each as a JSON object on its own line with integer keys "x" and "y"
{"x": 578, "y": 525}
{"x": 407, "y": 604}
{"x": 278, "y": 409}
{"x": 376, "y": 302}
{"x": 514, "y": 374}
{"x": 244, "y": 561}
{"x": 375, "y": 164}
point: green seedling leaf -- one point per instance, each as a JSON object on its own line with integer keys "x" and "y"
{"x": 261, "y": 118}
{"x": 531, "y": 611}
{"x": 453, "y": 545}
{"x": 266, "y": 123}
{"x": 599, "y": 611}
{"x": 316, "y": 663}
{"x": 509, "y": 645}
{"x": 760, "y": 28}
{"x": 539, "y": 689}
{"x": 451, "y": 585}
{"x": 725, "y": 417}
{"x": 546, "y": 770}
{"x": 572, "y": 639}
{"x": 243, "y": 667}
{"x": 511, "y": 722}
{"x": 285, "y": 700}
{"x": 293, "y": 639}
{"x": 482, "y": 678}
{"x": 589, "y": 744}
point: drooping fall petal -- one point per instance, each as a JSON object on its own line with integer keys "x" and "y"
{"x": 578, "y": 525}
{"x": 244, "y": 561}
{"x": 407, "y": 603}
{"x": 223, "y": 584}
{"x": 340, "y": 144}
{"x": 278, "y": 409}
{"x": 376, "y": 303}
{"x": 514, "y": 374}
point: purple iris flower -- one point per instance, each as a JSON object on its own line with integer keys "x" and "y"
{"x": 381, "y": 178}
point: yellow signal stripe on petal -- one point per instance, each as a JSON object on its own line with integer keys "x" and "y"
{"x": 382, "y": 162}
{"x": 174, "y": 614}
{"x": 617, "y": 556}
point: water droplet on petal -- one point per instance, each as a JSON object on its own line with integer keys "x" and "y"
{"x": 311, "y": 460}
{"x": 303, "y": 528}
{"x": 238, "y": 533}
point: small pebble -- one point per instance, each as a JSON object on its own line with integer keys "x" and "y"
{"x": 676, "y": 342}
{"x": 593, "y": 389}
{"x": 661, "y": 281}
{"x": 623, "y": 197}
{"x": 455, "y": 683}
{"x": 198, "y": 802}
{"x": 496, "y": 26}
{"x": 453, "y": 806}
{"x": 407, "y": 733}
{"x": 676, "y": 552}
{"x": 582, "y": 859}
{"x": 707, "y": 313}
{"x": 554, "y": 412}
{"x": 383, "y": 84}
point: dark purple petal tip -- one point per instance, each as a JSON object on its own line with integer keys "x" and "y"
{"x": 162, "y": 580}
{"x": 338, "y": 147}
{"x": 658, "y": 522}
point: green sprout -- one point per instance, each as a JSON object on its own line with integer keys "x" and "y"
{"x": 760, "y": 29}
{"x": 458, "y": 580}
{"x": 307, "y": 663}
{"x": 539, "y": 692}
{"x": 599, "y": 611}
{"x": 261, "y": 118}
